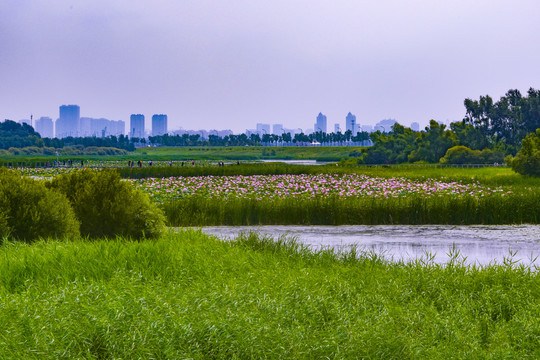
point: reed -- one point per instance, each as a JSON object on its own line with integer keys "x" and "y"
{"x": 514, "y": 208}
{"x": 188, "y": 295}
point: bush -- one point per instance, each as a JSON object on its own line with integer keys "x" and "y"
{"x": 28, "y": 210}
{"x": 107, "y": 206}
{"x": 527, "y": 160}
{"x": 463, "y": 155}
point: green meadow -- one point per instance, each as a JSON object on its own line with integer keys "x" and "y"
{"x": 188, "y": 295}
{"x": 250, "y": 153}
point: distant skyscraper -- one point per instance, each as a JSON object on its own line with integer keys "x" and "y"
{"x": 367, "y": 128}
{"x": 159, "y": 124}
{"x": 320, "y": 125}
{"x": 45, "y": 127}
{"x": 415, "y": 126}
{"x": 263, "y": 129}
{"x": 385, "y": 125}
{"x": 350, "y": 122}
{"x": 101, "y": 127}
{"x": 69, "y": 121}
{"x": 136, "y": 126}
{"x": 277, "y": 129}
{"x": 337, "y": 128}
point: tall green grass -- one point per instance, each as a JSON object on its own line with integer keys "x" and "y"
{"x": 510, "y": 209}
{"x": 191, "y": 296}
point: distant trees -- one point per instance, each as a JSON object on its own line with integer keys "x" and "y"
{"x": 488, "y": 131}
{"x": 432, "y": 144}
{"x": 506, "y": 122}
{"x": 14, "y": 135}
{"x": 527, "y": 160}
{"x": 463, "y": 155}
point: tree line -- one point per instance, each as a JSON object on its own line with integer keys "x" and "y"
{"x": 15, "y": 135}
{"x": 488, "y": 133}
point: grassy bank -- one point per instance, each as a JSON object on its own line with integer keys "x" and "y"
{"x": 190, "y": 296}
{"x": 198, "y": 211}
{"x": 247, "y": 153}
{"x": 200, "y": 153}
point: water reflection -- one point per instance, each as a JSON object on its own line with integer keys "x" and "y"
{"x": 297, "y": 162}
{"x": 478, "y": 244}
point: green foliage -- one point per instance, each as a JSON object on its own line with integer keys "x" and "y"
{"x": 189, "y": 295}
{"x": 28, "y": 210}
{"x": 463, "y": 155}
{"x": 390, "y": 148}
{"x": 432, "y": 144}
{"x": 106, "y": 206}
{"x": 510, "y": 209}
{"x": 527, "y": 160}
{"x": 14, "y": 135}
{"x": 508, "y": 120}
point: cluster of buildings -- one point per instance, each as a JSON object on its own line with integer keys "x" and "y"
{"x": 321, "y": 125}
{"x": 70, "y": 123}
{"x": 137, "y": 125}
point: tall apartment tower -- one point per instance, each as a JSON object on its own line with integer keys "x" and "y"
{"x": 277, "y": 129}
{"x": 263, "y": 129}
{"x": 159, "y": 124}
{"x": 320, "y": 125}
{"x": 68, "y": 123}
{"x": 136, "y": 126}
{"x": 350, "y": 122}
{"x": 45, "y": 127}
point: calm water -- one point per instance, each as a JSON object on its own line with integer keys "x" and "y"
{"x": 297, "y": 162}
{"x": 479, "y": 244}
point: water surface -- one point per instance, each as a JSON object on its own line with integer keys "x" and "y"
{"x": 478, "y": 244}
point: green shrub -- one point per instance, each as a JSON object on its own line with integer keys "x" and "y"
{"x": 463, "y": 155}
{"x": 107, "y": 206}
{"x": 28, "y": 210}
{"x": 527, "y": 160}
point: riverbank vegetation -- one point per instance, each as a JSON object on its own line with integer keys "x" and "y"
{"x": 97, "y": 202}
{"x": 262, "y": 194}
{"x": 413, "y": 210}
{"x": 188, "y": 295}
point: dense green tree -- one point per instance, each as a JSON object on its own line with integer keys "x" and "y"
{"x": 432, "y": 144}
{"x": 390, "y": 148}
{"x": 527, "y": 160}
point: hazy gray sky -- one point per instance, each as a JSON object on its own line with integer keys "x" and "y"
{"x": 229, "y": 64}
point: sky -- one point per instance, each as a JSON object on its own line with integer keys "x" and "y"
{"x": 215, "y": 64}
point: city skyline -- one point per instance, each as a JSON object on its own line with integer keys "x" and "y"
{"x": 215, "y": 65}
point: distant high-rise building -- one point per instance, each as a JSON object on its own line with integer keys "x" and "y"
{"x": 357, "y": 128}
{"x": 159, "y": 124}
{"x": 350, "y": 122}
{"x": 263, "y": 129}
{"x": 367, "y": 128}
{"x": 337, "y": 128}
{"x": 136, "y": 126}
{"x": 415, "y": 126}
{"x": 385, "y": 125}
{"x": 69, "y": 121}
{"x": 277, "y": 129}
{"x": 320, "y": 124}
{"x": 45, "y": 127}
{"x": 101, "y": 127}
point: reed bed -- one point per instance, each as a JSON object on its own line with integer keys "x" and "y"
{"x": 189, "y": 295}
{"x": 413, "y": 210}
